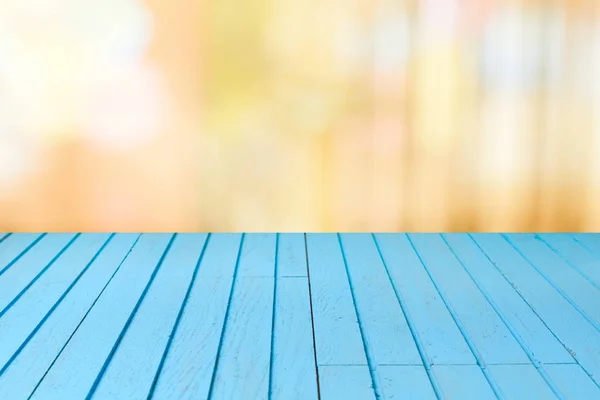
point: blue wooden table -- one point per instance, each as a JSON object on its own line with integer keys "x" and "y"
{"x": 294, "y": 316}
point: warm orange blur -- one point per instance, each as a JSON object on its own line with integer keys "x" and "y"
{"x": 288, "y": 115}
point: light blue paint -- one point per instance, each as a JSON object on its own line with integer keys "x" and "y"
{"x": 463, "y": 382}
{"x": 483, "y": 326}
{"x": 591, "y": 241}
{"x": 16, "y": 280}
{"x": 18, "y": 321}
{"x": 38, "y": 351}
{"x": 220, "y": 257}
{"x": 521, "y": 382}
{"x": 531, "y": 329}
{"x": 576, "y": 333}
{"x": 244, "y": 357}
{"x": 384, "y": 324}
{"x": 74, "y": 372}
{"x": 348, "y": 382}
{"x": 442, "y": 341}
{"x": 573, "y": 381}
{"x": 131, "y": 370}
{"x": 189, "y": 364}
{"x": 242, "y": 370}
{"x": 258, "y": 255}
{"x": 337, "y": 335}
{"x": 405, "y": 382}
{"x": 242, "y": 316}
{"x": 501, "y": 314}
{"x": 291, "y": 255}
{"x": 575, "y": 255}
{"x": 12, "y": 248}
{"x": 293, "y": 367}
{"x": 568, "y": 281}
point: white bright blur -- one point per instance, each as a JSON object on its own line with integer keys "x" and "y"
{"x": 76, "y": 67}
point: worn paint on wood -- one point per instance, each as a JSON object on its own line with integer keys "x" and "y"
{"x": 187, "y": 316}
{"x": 40, "y": 347}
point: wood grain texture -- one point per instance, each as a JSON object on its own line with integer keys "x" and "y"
{"x": 41, "y": 347}
{"x": 442, "y": 341}
{"x": 567, "y": 280}
{"x": 516, "y": 310}
{"x": 219, "y": 260}
{"x": 74, "y": 372}
{"x": 14, "y": 246}
{"x": 291, "y": 255}
{"x": 337, "y": 335}
{"x": 15, "y": 280}
{"x": 131, "y": 370}
{"x": 220, "y": 316}
{"x": 18, "y": 321}
{"x": 576, "y": 333}
{"x": 258, "y": 255}
{"x": 190, "y": 360}
{"x": 384, "y": 323}
{"x": 242, "y": 370}
{"x": 293, "y": 366}
{"x": 491, "y": 338}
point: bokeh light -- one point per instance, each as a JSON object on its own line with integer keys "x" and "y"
{"x": 285, "y": 115}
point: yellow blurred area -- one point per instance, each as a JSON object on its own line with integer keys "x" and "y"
{"x": 287, "y": 115}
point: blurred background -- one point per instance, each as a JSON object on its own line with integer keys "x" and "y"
{"x": 289, "y": 115}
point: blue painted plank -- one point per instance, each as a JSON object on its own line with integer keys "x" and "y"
{"x": 405, "y": 382}
{"x": 139, "y": 329}
{"x": 567, "y": 280}
{"x": 14, "y": 247}
{"x": 590, "y": 241}
{"x": 441, "y": 339}
{"x": 221, "y": 254}
{"x": 76, "y": 368}
{"x": 490, "y": 337}
{"x": 389, "y": 337}
{"x": 41, "y": 347}
{"x": 348, "y": 382}
{"x": 258, "y": 255}
{"x": 293, "y": 370}
{"x": 521, "y": 382}
{"x": 21, "y": 319}
{"x": 31, "y": 266}
{"x": 131, "y": 371}
{"x": 570, "y": 327}
{"x": 573, "y": 381}
{"x": 242, "y": 370}
{"x": 575, "y": 255}
{"x": 463, "y": 382}
{"x": 291, "y": 255}
{"x": 572, "y": 250}
{"x": 545, "y": 347}
{"x": 190, "y": 360}
{"x": 337, "y": 335}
